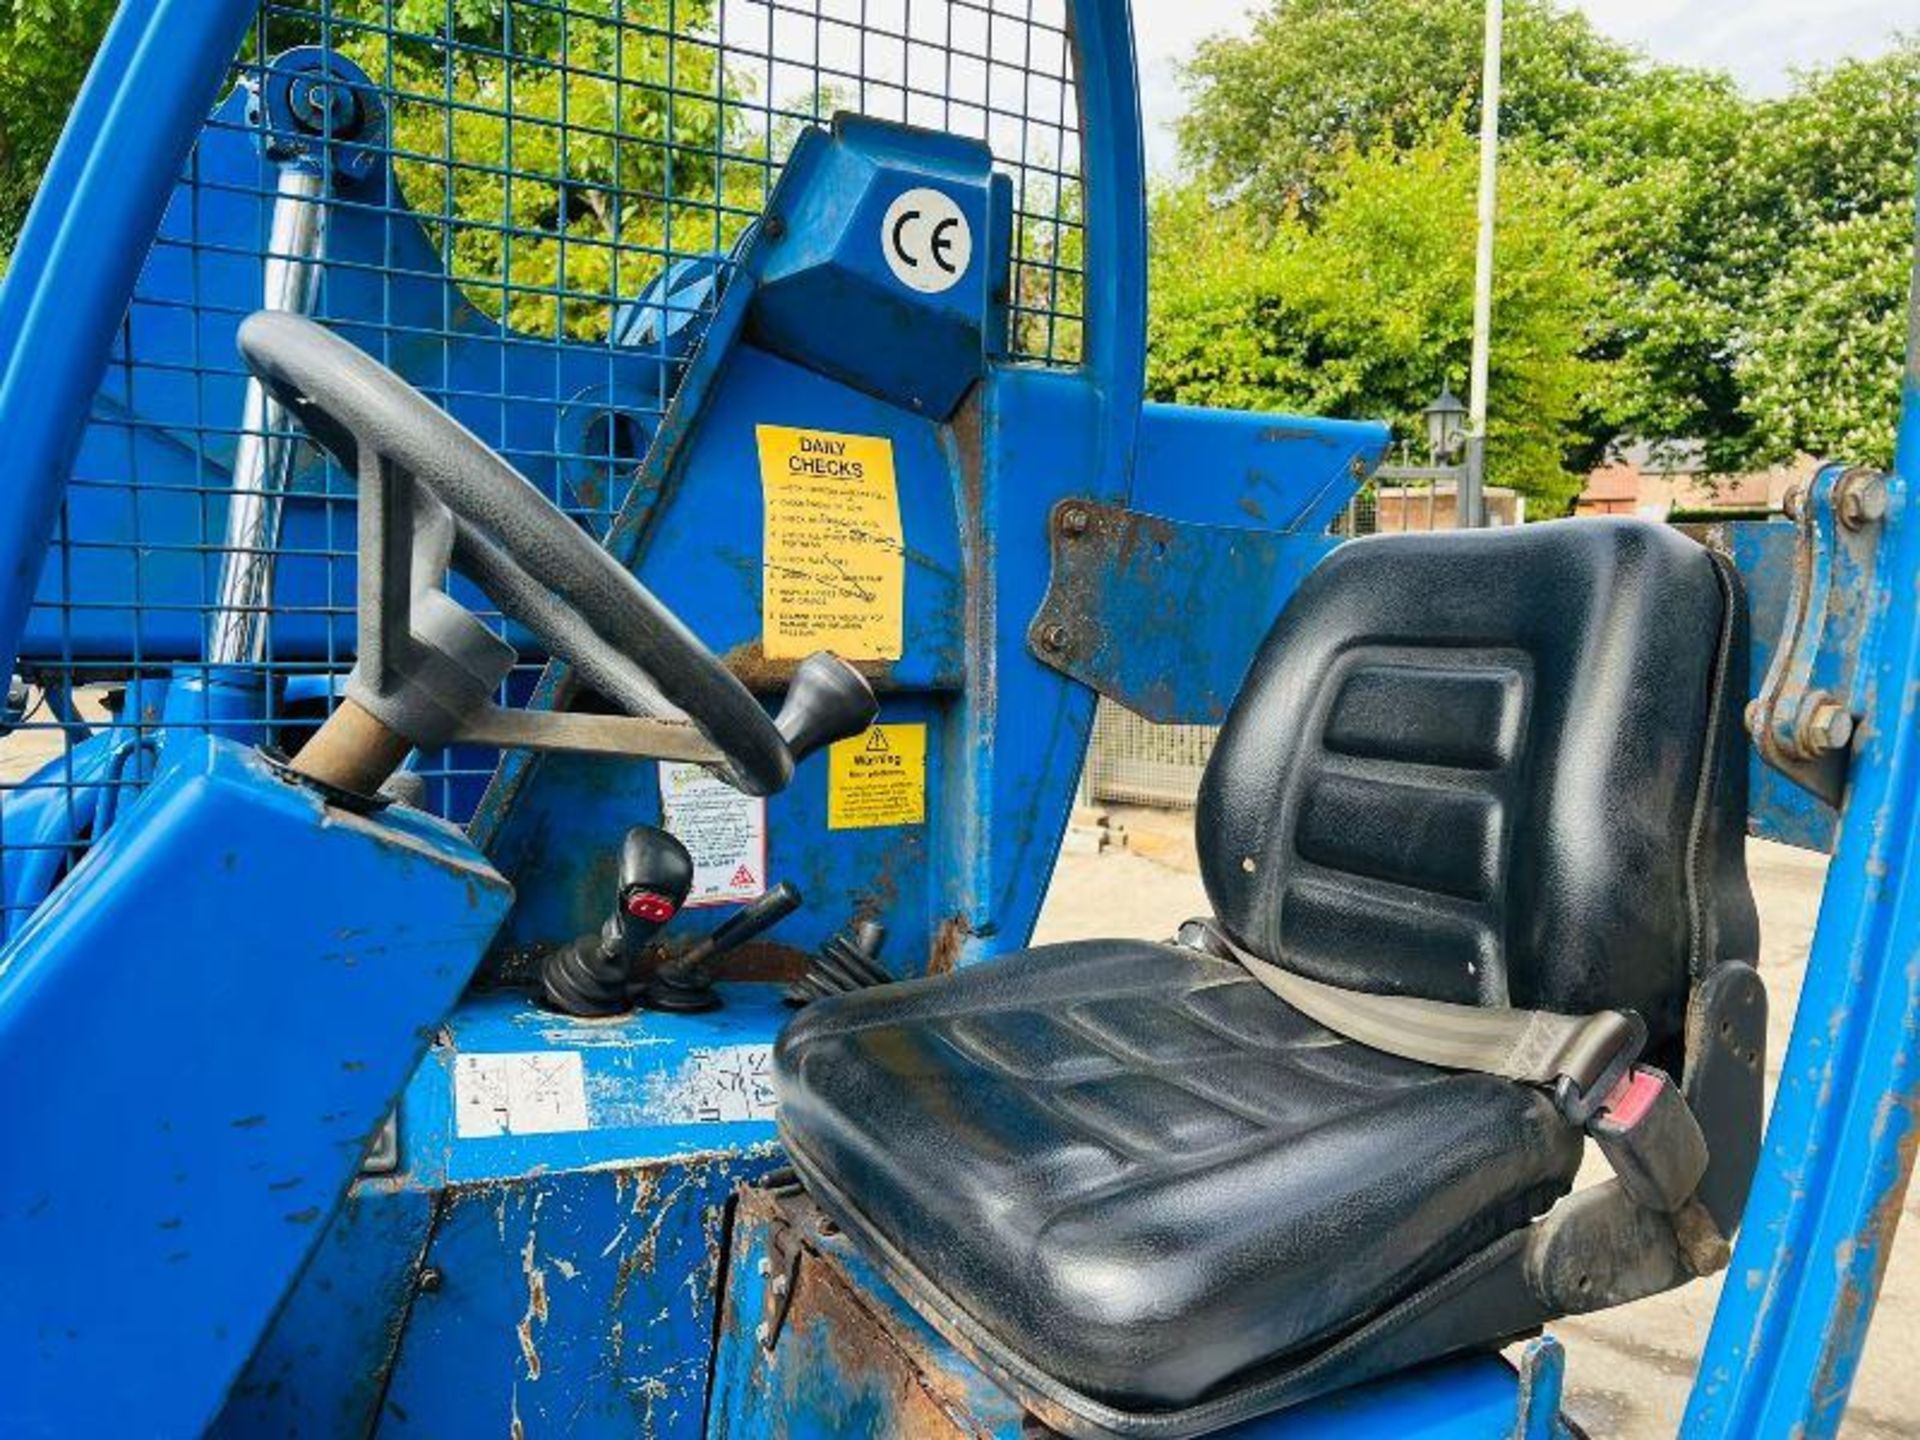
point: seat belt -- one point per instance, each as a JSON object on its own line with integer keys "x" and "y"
{"x": 1588, "y": 1062}
{"x": 1535, "y": 1047}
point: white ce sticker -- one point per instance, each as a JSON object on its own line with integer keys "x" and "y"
{"x": 927, "y": 241}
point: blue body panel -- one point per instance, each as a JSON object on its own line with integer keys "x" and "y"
{"x": 1763, "y": 552}
{"x": 1285, "y": 473}
{"x": 236, "y": 983}
{"x": 827, "y": 292}
{"x": 575, "y": 1272}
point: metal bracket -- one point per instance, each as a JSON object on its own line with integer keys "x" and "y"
{"x": 383, "y": 1151}
{"x": 1811, "y": 707}
{"x": 781, "y": 1269}
{"x": 318, "y": 111}
{"x": 1164, "y": 616}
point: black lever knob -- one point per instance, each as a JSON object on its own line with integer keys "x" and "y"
{"x": 594, "y": 975}
{"x": 829, "y": 700}
{"x": 685, "y": 983}
{"x": 656, "y": 873}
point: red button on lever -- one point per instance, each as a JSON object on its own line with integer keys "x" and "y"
{"x": 1629, "y": 1101}
{"x": 649, "y": 905}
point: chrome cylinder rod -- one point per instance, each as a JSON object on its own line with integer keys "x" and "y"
{"x": 263, "y": 459}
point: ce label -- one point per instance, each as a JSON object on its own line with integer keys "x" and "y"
{"x": 927, "y": 241}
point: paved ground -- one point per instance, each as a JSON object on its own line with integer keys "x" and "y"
{"x": 1629, "y": 1370}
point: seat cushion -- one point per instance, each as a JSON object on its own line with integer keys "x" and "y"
{"x": 1139, "y": 1172}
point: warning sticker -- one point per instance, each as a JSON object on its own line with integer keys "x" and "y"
{"x": 724, "y": 831}
{"x": 540, "y": 1092}
{"x": 835, "y": 562}
{"x": 879, "y": 778}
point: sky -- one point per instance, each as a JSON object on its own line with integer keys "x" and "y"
{"x": 1758, "y": 41}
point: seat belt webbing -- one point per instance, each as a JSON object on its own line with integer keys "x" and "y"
{"x": 1536, "y": 1047}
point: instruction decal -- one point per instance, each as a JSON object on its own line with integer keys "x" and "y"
{"x": 835, "y": 567}
{"x": 541, "y": 1092}
{"x": 879, "y": 778}
{"x": 716, "y": 1085}
{"x": 724, "y": 831}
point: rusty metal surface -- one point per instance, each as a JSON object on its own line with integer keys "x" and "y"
{"x": 854, "y": 1360}
{"x": 844, "y": 1362}
{"x": 1160, "y": 615}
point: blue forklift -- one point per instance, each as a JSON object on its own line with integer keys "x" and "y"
{"x": 561, "y": 559}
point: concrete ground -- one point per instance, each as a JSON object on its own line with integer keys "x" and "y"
{"x": 1629, "y": 1370}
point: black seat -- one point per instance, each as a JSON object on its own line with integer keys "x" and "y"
{"x": 1502, "y": 769}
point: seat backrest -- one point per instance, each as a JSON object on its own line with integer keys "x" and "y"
{"x": 1498, "y": 767}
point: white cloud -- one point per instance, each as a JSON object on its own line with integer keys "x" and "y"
{"x": 1759, "y": 42}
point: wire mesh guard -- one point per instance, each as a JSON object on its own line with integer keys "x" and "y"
{"x": 568, "y": 185}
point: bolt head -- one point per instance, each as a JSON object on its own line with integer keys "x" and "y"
{"x": 1862, "y": 499}
{"x": 1075, "y": 520}
{"x": 430, "y": 1280}
{"x": 1054, "y": 637}
{"x": 1830, "y": 727}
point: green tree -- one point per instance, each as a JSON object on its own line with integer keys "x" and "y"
{"x": 45, "y": 48}
{"x": 1826, "y": 234}
{"x": 1711, "y": 213}
{"x": 1667, "y": 219}
{"x": 1362, "y": 308}
{"x": 1270, "y": 109}
{"x": 1821, "y": 371}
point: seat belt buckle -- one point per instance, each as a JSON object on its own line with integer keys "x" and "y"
{"x": 1578, "y": 1105}
{"x": 1649, "y": 1135}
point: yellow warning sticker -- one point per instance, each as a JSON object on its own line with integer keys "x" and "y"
{"x": 835, "y": 566}
{"x": 879, "y": 778}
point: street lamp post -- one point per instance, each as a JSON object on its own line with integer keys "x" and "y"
{"x": 1473, "y": 487}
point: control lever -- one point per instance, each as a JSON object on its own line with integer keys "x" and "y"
{"x": 685, "y": 983}
{"x": 828, "y": 700}
{"x": 593, "y": 975}
{"x": 848, "y": 962}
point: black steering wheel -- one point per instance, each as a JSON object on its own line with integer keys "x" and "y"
{"x": 529, "y": 557}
